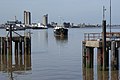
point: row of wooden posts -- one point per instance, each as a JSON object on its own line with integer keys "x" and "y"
{"x": 103, "y": 52}
{"x": 88, "y": 57}
{"x": 21, "y": 54}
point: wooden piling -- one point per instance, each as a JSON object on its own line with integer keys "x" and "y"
{"x": 29, "y": 52}
{"x": 10, "y": 50}
{"x": 103, "y": 75}
{"x": 114, "y": 56}
{"x": 117, "y": 58}
{"x": 84, "y": 54}
{"x": 0, "y": 53}
{"x": 5, "y": 53}
{"x": 99, "y": 58}
{"x": 89, "y": 57}
{"x": 20, "y": 52}
{"x": 88, "y": 74}
{"x": 25, "y": 52}
{"x": 104, "y": 44}
{"x": 16, "y": 53}
{"x": 107, "y": 58}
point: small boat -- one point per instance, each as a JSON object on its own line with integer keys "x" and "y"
{"x": 60, "y": 31}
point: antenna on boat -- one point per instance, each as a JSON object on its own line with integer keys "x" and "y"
{"x": 110, "y": 19}
{"x": 15, "y": 18}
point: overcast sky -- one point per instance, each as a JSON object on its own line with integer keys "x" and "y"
{"x": 76, "y": 11}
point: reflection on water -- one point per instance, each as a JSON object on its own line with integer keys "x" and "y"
{"x": 17, "y": 61}
{"x": 22, "y": 63}
{"x": 39, "y": 40}
{"x": 88, "y": 74}
{"x": 61, "y": 39}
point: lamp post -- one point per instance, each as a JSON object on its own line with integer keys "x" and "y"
{"x": 104, "y": 12}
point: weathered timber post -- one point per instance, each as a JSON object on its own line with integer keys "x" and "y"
{"x": 89, "y": 57}
{"x": 103, "y": 75}
{"x": 89, "y": 74}
{"x": 10, "y": 50}
{"x": 0, "y": 53}
{"x": 115, "y": 75}
{"x": 5, "y": 53}
{"x": 114, "y": 56}
{"x": 1, "y": 45}
{"x": 16, "y": 53}
{"x": 107, "y": 58}
{"x": 25, "y": 51}
{"x": 104, "y": 45}
{"x": 117, "y": 58}
{"x": 100, "y": 58}
{"x": 84, "y": 54}
{"x": 29, "y": 51}
{"x": 20, "y": 52}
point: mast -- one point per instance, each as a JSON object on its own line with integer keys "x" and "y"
{"x": 110, "y": 19}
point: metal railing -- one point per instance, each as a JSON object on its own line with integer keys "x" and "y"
{"x": 92, "y": 36}
{"x": 98, "y": 36}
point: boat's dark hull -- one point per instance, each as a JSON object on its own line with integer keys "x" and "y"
{"x": 38, "y": 28}
{"x": 61, "y": 32}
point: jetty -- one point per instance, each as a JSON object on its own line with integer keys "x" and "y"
{"x": 20, "y": 58}
{"x": 107, "y": 43}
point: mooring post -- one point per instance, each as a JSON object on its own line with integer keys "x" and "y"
{"x": 117, "y": 58}
{"x": 104, "y": 44}
{"x": 10, "y": 50}
{"x": 1, "y": 45}
{"x": 89, "y": 57}
{"x": 5, "y": 53}
{"x": 28, "y": 44}
{"x": 114, "y": 56}
{"x": 100, "y": 58}
{"x": 16, "y": 53}
{"x": 2, "y": 48}
{"x": 20, "y": 52}
{"x": 84, "y": 54}
{"x": 0, "y": 53}
{"x": 107, "y": 58}
{"x": 29, "y": 51}
{"x": 25, "y": 50}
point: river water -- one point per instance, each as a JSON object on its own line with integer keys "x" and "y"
{"x": 58, "y": 58}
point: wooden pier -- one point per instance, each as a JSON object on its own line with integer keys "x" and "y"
{"x": 93, "y": 40}
{"x": 21, "y": 56}
{"x": 108, "y": 45}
